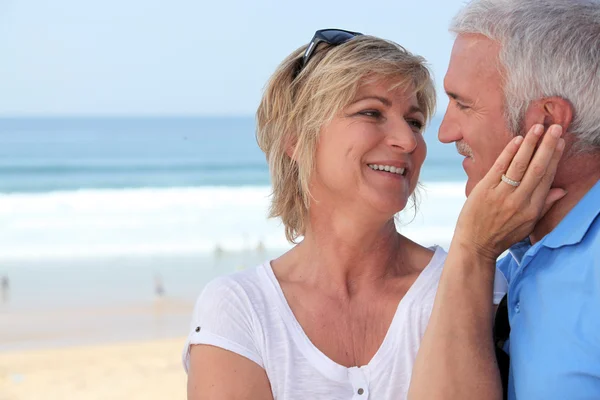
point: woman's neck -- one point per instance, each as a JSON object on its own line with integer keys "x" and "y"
{"x": 345, "y": 253}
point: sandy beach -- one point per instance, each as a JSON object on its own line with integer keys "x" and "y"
{"x": 146, "y": 370}
{"x": 96, "y": 329}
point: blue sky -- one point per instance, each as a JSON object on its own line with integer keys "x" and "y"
{"x": 183, "y": 57}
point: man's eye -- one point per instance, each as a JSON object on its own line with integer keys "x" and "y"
{"x": 461, "y": 106}
{"x": 371, "y": 113}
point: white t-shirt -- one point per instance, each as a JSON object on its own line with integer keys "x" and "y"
{"x": 247, "y": 313}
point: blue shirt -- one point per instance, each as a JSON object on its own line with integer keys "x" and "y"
{"x": 554, "y": 309}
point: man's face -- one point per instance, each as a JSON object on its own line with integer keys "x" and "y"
{"x": 474, "y": 119}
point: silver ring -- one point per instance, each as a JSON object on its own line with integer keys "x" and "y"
{"x": 506, "y": 179}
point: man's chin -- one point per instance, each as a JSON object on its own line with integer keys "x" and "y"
{"x": 469, "y": 186}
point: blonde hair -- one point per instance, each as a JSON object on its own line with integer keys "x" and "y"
{"x": 294, "y": 108}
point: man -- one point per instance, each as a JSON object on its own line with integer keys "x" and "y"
{"x": 516, "y": 63}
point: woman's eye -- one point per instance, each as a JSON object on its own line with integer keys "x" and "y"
{"x": 416, "y": 123}
{"x": 371, "y": 113}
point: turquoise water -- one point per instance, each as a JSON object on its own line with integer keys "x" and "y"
{"x": 92, "y": 210}
{"x": 97, "y": 187}
{"x": 49, "y": 154}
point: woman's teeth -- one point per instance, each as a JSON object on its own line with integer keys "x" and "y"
{"x": 388, "y": 168}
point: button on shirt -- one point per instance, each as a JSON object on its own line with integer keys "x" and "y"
{"x": 554, "y": 309}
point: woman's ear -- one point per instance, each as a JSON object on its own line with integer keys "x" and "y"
{"x": 290, "y": 147}
{"x": 549, "y": 111}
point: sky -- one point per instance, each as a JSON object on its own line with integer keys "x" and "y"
{"x": 184, "y": 57}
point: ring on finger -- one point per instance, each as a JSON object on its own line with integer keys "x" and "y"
{"x": 511, "y": 182}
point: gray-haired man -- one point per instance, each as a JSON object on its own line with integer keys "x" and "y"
{"x": 516, "y": 63}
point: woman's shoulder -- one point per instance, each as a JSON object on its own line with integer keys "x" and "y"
{"x": 436, "y": 265}
{"x": 246, "y": 291}
{"x": 247, "y": 282}
{"x": 438, "y": 258}
{"x": 427, "y": 257}
{"x": 431, "y": 258}
{"x": 227, "y": 314}
{"x": 240, "y": 278}
{"x": 430, "y": 275}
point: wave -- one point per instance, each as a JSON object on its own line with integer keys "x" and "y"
{"x": 191, "y": 220}
{"x": 128, "y": 167}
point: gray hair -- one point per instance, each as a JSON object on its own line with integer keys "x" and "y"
{"x": 548, "y": 48}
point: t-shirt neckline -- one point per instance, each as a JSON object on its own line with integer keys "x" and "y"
{"x": 316, "y": 357}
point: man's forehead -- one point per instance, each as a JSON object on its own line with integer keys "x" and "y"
{"x": 473, "y": 57}
{"x": 475, "y": 54}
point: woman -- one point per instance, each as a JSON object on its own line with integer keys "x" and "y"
{"x": 340, "y": 315}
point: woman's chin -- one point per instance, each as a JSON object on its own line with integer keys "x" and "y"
{"x": 390, "y": 207}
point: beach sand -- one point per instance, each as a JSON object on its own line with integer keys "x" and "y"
{"x": 145, "y": 370}
{"x": 97, "y": 329}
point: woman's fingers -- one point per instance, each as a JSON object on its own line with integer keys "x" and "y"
{"x": 541, "y": 194}
{"x": 535, "y": 176}
{"x": 498, "y": 214}
{"x": 518, "y": 166}
{"x": 492, "y": 178}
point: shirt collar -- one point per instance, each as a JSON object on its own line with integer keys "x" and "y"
{"x": 576, "y": 223}
{"x": 518, "y": 250}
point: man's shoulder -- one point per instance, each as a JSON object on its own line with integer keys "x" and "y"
{"x": 586, "y": 249}
{"x": 592, "y": 238}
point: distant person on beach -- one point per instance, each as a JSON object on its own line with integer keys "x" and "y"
{"x": 341, "y": 315}
{"x": 516, "y": 63}
{"x": 159, "y": 286}
{"x": 5, "y": 288}
{"x": 219, "y": 251}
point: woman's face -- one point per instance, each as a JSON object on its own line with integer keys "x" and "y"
{"x": 370, "y": 155}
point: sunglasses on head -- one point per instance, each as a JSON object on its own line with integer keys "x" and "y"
{"x": 333, "y": 37}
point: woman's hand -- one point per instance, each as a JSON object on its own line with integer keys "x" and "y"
{"x": 497, "y": 214}
{"x": 457, "y": 352}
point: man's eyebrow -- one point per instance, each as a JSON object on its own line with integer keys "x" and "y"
{"x": 455, "y": 96}
{"x": 384, "y": 100}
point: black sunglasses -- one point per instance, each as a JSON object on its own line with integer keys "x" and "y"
{"x": 333, "y": 37}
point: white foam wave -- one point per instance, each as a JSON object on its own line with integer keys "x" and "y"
{"x": 99, "y": 223}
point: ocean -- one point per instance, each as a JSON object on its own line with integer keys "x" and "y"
{"x": 95, "y": 211}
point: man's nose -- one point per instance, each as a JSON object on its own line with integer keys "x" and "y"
{"x": 449, "y": 129}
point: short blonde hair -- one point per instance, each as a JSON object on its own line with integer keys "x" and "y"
{"x": 294, "y": 108}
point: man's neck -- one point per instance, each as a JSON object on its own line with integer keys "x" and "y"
{"x": 577, "y": 184}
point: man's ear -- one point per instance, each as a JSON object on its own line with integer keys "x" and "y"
{"x": 549, "y": 111}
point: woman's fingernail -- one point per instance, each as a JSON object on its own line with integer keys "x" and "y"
{"x": 538, "y": 129}
{"x": 518, "y": 140}
{"x": 561, "y": 144}
{"x": 556, "y": 130}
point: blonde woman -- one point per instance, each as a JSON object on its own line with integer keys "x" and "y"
{"x": 341, "y": 315}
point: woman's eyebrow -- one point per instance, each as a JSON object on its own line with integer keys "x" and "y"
{"x": 384, "y": 100}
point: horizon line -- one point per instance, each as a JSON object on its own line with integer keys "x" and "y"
{"x": 132, "y": 116}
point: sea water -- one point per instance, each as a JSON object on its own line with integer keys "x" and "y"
{"x": 95, "y": 211}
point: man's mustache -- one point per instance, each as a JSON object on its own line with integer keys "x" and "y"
{"x": 464, "y": 149}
